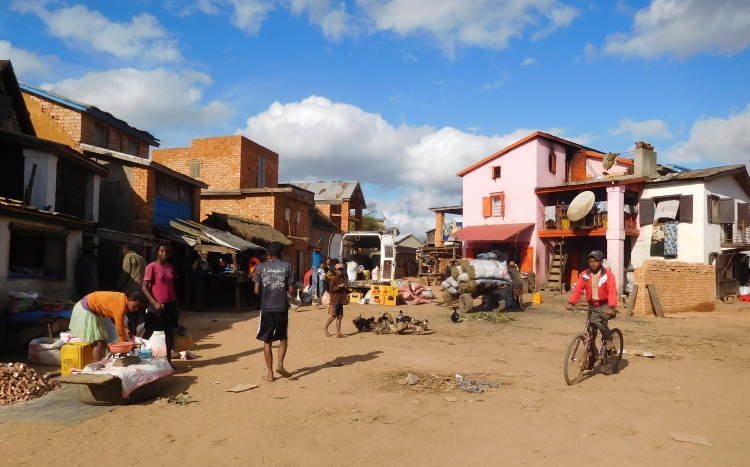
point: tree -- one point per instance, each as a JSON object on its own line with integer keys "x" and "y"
{"x": 371, "y": 220}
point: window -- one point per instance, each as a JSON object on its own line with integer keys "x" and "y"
{"x": 195, "y": 170}
{"x": 101, "y": 136}
{"x": 553, "y": 162}
{"x": 494, "y": 205}
{"x": 262, "y": 174}
{"x": 37, "y": 254}
{"x": 134, "y": 148}
{"x": 720, "y": 210}
{"x": 112, "y": 187}
{"x": 496, "y": 172}
{"x": 70, "y": 193}
{"x": 299, "y": 216}
{"x": 648, "y": 207}
{"x": 287, "y": 214}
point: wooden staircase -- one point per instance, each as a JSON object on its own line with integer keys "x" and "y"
{"x": 557, "y": 268}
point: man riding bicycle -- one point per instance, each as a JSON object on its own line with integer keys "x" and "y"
{"x": 601, "y": 293}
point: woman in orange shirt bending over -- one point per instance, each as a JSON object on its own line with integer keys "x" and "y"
{"x": 87, "y": 320}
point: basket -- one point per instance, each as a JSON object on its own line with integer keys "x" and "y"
{"x": 182, "y": 339}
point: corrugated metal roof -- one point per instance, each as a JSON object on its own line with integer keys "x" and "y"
{"x": 698, "y": 174}
{"x": 491, "y": 233}
{"x": 92, "y": 110}
{"x": 20, "y": 205}
{"x": 329, "y": 191}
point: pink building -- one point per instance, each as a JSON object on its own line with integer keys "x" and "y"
{"x": 515, "y": 201}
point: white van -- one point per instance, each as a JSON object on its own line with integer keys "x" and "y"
{"x": 368, "y": 249}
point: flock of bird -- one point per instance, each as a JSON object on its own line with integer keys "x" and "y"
{"x": 390, "y": 323}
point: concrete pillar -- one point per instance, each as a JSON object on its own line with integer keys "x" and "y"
{"x": 73, "y": 251}
{"x": 616, "y": 234}
{"x": 439, "y": 221}
{"x": 45, "y": 177}
{"x": 93, "y": 184}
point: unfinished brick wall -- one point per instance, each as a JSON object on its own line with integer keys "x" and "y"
{"x": 681, "y": 286}
{"x": 259, "y": 207}
{"x": 144, "y": 189}
{"x": 227, "y": 162}
{"x": 79, "y": 127}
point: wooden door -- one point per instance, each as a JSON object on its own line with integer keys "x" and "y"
{"x": 527, "y": 259}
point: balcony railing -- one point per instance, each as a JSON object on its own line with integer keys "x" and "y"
{"x": 594, "y": 220}
{"x": 735, "y": 235}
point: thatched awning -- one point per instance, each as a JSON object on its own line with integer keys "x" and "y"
{"x": 250, "y": 229}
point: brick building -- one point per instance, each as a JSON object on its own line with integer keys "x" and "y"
{"x": 48, "y": 202}
{"x": 138, "y": 196}
{"x": 243, "y": 179}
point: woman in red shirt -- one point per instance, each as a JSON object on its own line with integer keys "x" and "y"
{"x": 159, "y": 288}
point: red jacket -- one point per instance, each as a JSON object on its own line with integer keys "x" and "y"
{"x": 606, "y": 286}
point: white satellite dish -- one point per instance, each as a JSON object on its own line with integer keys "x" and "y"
{"x": 609, "y": 160}
{"x": 581, "y": 206}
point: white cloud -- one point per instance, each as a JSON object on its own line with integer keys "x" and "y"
{"x": 248, "y": 15}
{"x": 26, "y": 63}
{"x": 644, "y": 129}
{"x": 328, "y": 14}
{"x": 528, "y": 61}
{"x": 504, "y": 78}
{"x": 146, "y": 99}
{"x": 720, "y": 140}
{"x": 484, "y": 23}
{"x": 142, "y": 36}
{"x": 683, "y": 28}
{"x": 559, "y": 17}
{"x": 322, "y": 140}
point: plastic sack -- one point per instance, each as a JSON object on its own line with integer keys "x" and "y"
{"x": 30, "y": 295}
{"x": 326, "y": 299}
{"x": 45, "y": 351}
{"x": 464, "y": 277}
{"x": 158, "y": 344}
{"x": 66, "y": 337}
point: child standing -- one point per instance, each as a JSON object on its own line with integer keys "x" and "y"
{"x": 338, "y": 291}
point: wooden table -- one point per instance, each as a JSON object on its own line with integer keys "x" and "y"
{"x": 237, "y": 279}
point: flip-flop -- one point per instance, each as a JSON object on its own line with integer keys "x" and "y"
{"x": 265, "y": 378}
{"x": 283, "y": 372}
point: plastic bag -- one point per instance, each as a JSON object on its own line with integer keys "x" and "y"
{"x": 158, "y": 344}
{"x": 326, "y": 300}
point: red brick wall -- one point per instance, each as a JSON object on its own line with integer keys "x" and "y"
{"x": 227, "y": 162}
{"x": 258, "y": 207}
{"x": 79, "y": 127}
{"x": 681, "y": 286}
{"x": 144, "y": 188}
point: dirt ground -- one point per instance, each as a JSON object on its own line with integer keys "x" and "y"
{"x": 346, "y": 405}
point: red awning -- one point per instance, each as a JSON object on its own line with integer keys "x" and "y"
{"x": 491, "y": 233}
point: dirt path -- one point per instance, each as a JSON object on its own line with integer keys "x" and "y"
{"x": 346, "y": 406}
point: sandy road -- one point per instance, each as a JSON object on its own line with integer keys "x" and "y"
{"x": 346, "y": 406}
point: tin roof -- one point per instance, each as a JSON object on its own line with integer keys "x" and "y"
{"x": 91, "y": 110}
{"x": 334, "y": 191}
{"x": 19, "y": 208}
{"x": 490, "y": 233}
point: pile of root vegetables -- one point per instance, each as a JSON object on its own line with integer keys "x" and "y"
{"x": 19, "y": 383}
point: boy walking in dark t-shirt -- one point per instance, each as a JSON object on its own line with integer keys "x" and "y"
{"x": 274, "y": 279}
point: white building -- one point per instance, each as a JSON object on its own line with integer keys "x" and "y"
{"x": 713, "y": 221}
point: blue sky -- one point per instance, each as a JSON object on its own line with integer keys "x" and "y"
{"x": 401, "y": 94}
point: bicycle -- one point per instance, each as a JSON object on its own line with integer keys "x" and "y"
{"x": 583, "y": 352}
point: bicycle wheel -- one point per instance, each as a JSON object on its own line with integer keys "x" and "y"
{"x": 575, "y": 359}
{"x": 613, "y": 357}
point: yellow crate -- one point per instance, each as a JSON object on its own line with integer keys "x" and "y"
{"x": 375, "y": 288}
{"x": 390, "y": 301}
{"x": 377, "y": 298}
{"x": 75, "y": 355}
{"x": 355, "y": 297}
{"x": 390, "y": 290}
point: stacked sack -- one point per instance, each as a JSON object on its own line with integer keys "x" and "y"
{"x": 470, "y": 273}
{"x": 414, "y": 293}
